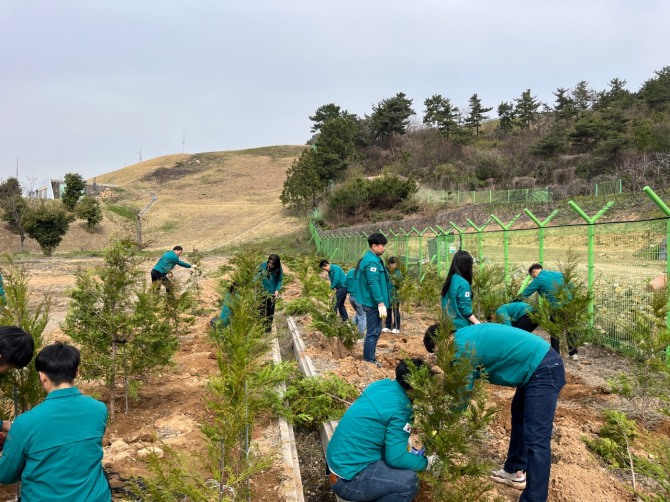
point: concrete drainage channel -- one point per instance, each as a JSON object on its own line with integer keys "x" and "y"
{"x": 289, "y": 449}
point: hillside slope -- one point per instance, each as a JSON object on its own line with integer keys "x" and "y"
{"x": 204, "y": 201}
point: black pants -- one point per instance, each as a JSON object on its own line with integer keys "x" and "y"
{"x": 340, "y": 297}
{"x": 161, "y": 278}
{"x": 268, "y": 312}
{"x": 524, "y": 323}
{"x": 393, "y": 316}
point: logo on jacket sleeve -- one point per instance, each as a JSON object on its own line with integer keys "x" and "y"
{"x": 373, "y": 269}
{"x": 407, "y": 428}
{"x": 467, "y": 294}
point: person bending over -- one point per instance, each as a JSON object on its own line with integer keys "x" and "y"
{"x": 166, "y": 263}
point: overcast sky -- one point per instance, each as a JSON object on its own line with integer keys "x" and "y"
{"x": 85, "y": 85}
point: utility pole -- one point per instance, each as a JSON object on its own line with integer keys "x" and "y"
{"x": 17, "y": 168}
{"x": 140, "y": 152}
{"x": 183, "y": 142}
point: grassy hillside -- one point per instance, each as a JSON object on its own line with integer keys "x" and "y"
{"x": 204, "y": 201}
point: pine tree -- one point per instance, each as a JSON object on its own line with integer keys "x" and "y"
{"x": 476, "y": 114}
{"x": 526, "y": 109}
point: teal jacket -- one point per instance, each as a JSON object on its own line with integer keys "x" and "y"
{"x": 512, "y": 312}
{"x": 396, "y": 281}
{"x": 3, "y": 298}
{"x": 168, "y": 262}
{"x": 55, "y": 450}
{"x": 224, "y": 316}
{"x": 271, "y": 282}
{"x": 377, "y": 426}
{"x": 509, "y": 355}
{"x": 373, "y": 281}
{"x": 457, "y": 303}
{"x": 546, "y": 284}
{"x": 338, "y": 278}
{"x": 352, "y": 284}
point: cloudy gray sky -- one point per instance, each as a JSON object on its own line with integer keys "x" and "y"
{"x": 85, "y": 85}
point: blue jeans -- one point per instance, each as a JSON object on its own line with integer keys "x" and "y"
{"x": 340, "y": 297}
{"x": 533, "y": 409}
{"x": 379, "y": 482}
{"x": 359, "y": 318}
{"x": 374, "y": 329}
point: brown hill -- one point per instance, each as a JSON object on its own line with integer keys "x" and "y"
{"x": 204, "y": 201}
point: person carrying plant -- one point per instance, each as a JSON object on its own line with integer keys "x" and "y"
{"x": 373, "y": 293}
{"x": 352, "y": 289}
{"x": 547, "y": 284}
{"x": 393, "y": 319}
{"x": 271, "y": 276}
{"x": 515, "y": 314}
{"x": 512, "y": 357}
{"x": 456, "y": 295}
{"x": 55, "y": 449}
{"x": 163, "y": 267}
{"x": 338, "y": 282}
{"x": 367, "y": 457}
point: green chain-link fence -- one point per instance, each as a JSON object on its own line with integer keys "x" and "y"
{"x": 617, "y": 260}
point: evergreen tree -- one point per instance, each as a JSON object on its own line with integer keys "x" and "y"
{"x": 617, "y": 96}
{"x": 390, "y": 117}
{"x": 75, "y": 186}
{"x": 583, "y": 97}
{"x": 506, "y": 116}
{"x": 526, "y": 109}
{"x": 564, "y": 108}
{"x": 47, "y": 224}
{"x": 13, "y": 207}
{"x": 476, "y": 114}
{"x": 441, "y": 115}
{"x": 656, "y": 91}
{"x": 120, "y": 322}
{"x": 88, "y": 208}
{"x": 303, "y": 182}
{"x": 323, "y": 114}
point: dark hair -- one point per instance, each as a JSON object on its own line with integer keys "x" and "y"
{"x": 277, "y": 268}
{"x": 402, "y": 370}
{"x": 177, "y": 248}
{"x": 231, "y": 288}
{"x": 429, "y": 337}
{"x": 392, "y": 259}
{"x": 534, "y": 266}
{"x": 16, "y": 346}
{"x": 377, "y": 238}
{"x": 59, "y": 362}
{"x": 323, "y": 263}
{"x": 461, "y": 265}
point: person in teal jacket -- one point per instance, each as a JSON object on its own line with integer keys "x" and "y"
{"x": 271, "y": 275}
{"x": 338, "y": 282}
{"x": 374, "y": 293}
{"x": 456, "y": 295}
{"x": 3, "y": 297}
{"x": 515, "y": 314}
{"x": 166, "y": 263}
{"x": 352, "y": 289}
{"x": 393, "y": 319}
{"x": 223, "y": 320}
{"x": 368, "y": 457}
{"x": 512, "y": 357}
{"x": 547, "y": 284}
{"x": 55, "y": 449}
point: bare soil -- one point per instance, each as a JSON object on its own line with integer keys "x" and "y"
{"x": 577, "y": 475}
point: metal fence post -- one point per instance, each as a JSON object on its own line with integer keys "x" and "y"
{"x": 480, "y": 231}
{"x": 506, "y": 242}
{"x": 541, "y": 225}
{"x": 666, "y": 211}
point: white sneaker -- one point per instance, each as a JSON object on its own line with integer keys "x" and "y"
{"x": 515, "y": 480}
{"x": 395, "y": 331}
{"x": 386, "y": 330}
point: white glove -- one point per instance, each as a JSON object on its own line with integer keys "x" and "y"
{"x": 431, "y": 460}
{"x": 382, "y": 311}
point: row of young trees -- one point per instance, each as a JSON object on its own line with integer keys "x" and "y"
{"x": 584, "y": 134}
{"x": 47, "y": 221}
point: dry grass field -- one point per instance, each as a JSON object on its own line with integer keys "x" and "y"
{"x": 204, "y": 201}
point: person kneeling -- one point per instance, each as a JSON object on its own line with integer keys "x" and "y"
{"x": 55, "y": 449}
{"x": 367, "y": 455}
